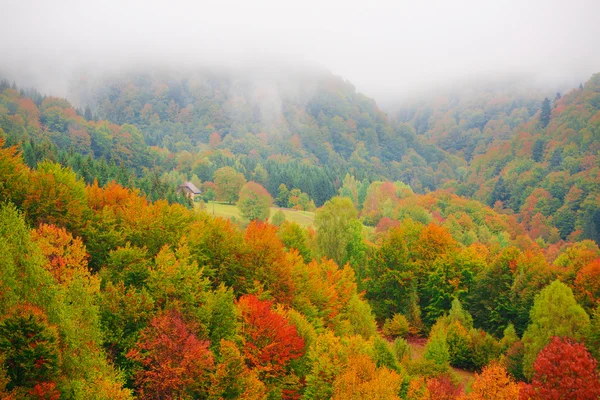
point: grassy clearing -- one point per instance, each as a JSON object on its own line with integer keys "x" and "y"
{"x": 229, "y": 211}
{"x": 417, "y": 350}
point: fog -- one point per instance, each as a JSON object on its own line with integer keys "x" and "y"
{"x": 389, "y": 50}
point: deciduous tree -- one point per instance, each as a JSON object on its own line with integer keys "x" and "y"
{"x": 555, "y": 312}
{"x": 333, "y": 234}
{"x": 270, "y": 341}
{"x": 175, "y": 363}
{"x": 564, "y": 369}
{"x": 228, "y": 183}
{"x": 254, "y": 202}
{"x": 493, "y": 383}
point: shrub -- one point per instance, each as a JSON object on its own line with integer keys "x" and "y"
{"x": 398, "y": 326}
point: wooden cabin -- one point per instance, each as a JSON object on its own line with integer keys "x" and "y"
{"x": 190, "y": 190}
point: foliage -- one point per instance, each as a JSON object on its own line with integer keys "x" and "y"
{"x": 270, "y": 341}
{"x": 232, "y": 378}
{"x": 564, "y": 369}
{"x": 333, "y": 234}
{"x": 66, "y": 256}
{"x": 254, "y": 202}
{"x": 490, "y": 302}
{"x": 363, "y": 380}
{"x": 228, "y": 183}
{"x": 110, "y": 261}
{"x": 493, "y": 383}
{"x": 401, "y": 349}
{"x": 360, "y": 319}
{"x": 174, "y": 362}
{"x": 266, "y": 262}
{"x": 442, "y": 388}
{"x": 295, "y": 237}
{"x": 587, "y": 284}
{"x": 30, "y": 349}
{"x": 513, "y": 360}
{"x": 14, "y": 175}
{"x": 555, "y": 313}
{"x": 278, "y": 218}
{"x": 592, "y": 336}
{"x": 437, "y": 347}
{"x": 397, "y": 326}
{"x": 56, "y": 196}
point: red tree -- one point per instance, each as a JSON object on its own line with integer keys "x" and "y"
{"x": 270, "y": 340}
{"x": 443, "y": 388}
{"x": 564, "y": 369}
{"x": 175, "y": 362}
{"x": 385, "y": 224}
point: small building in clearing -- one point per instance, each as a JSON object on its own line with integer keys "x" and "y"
{"x": 190, "y": 190}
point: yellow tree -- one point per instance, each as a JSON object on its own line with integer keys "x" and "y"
{"x": 363, "y": 380}
{"x": 493, "y": 383}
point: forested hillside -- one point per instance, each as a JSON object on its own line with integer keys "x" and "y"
{"x": 526, "y": 154}
{"x": 289, "y": 120}
{"x": 482, "y": 252}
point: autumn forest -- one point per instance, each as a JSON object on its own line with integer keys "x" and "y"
{"x": 326, "y": 249}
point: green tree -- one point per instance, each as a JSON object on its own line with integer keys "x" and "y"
{"x": 30, "y": 350}
{"x": 555, "y": 312}
{"x": 545, "y": 114}
{"x": 294, "y": 236}
{"x": 391, "y": 277}
{"x": 283, "y": 196}
{"x": 228, "y": 183}
{"x": 450, "y": 279}
{"x": 278, "y": 218}
{"x": 254, "y": 202}
{"x": 490, "y": 298}
{"x": 500, "y": 192}
{"x": 537, "y": 153}
{"x": 437, "y": 348}
{"x": 333, "y": 223}
{"x": 556, "y": 157}
{"x": 592, "y": 337}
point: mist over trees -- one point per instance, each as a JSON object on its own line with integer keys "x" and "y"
{"x": 187, "y": 211}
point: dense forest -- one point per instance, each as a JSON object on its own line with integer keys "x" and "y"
{"x": 454, "y": 252}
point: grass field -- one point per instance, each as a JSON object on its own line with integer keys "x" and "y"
{"x": 303, "y": 218}
{"x": 417, "y": 350}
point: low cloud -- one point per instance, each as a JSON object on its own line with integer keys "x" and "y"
{"x": 388, "y": 49}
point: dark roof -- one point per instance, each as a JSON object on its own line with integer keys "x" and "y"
{"x": 192, "y": 187}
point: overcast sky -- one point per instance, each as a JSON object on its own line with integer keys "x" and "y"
{"x": 386, "y": 48}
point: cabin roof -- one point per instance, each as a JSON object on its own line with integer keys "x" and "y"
{"x": 191, "y": 187}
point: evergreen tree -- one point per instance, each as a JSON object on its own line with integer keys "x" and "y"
{"x": 537, "y": 153}
{"x": 545, "y": 114}
{"x": 87, "y": 114}
{"x": 500, "y": 192}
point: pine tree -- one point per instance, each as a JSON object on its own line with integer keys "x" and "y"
{"x": 500, "y": 192}
{"x": 537, "y": 153}
{"x": 87, "y": 114}
{"x": 545, "y": 114}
